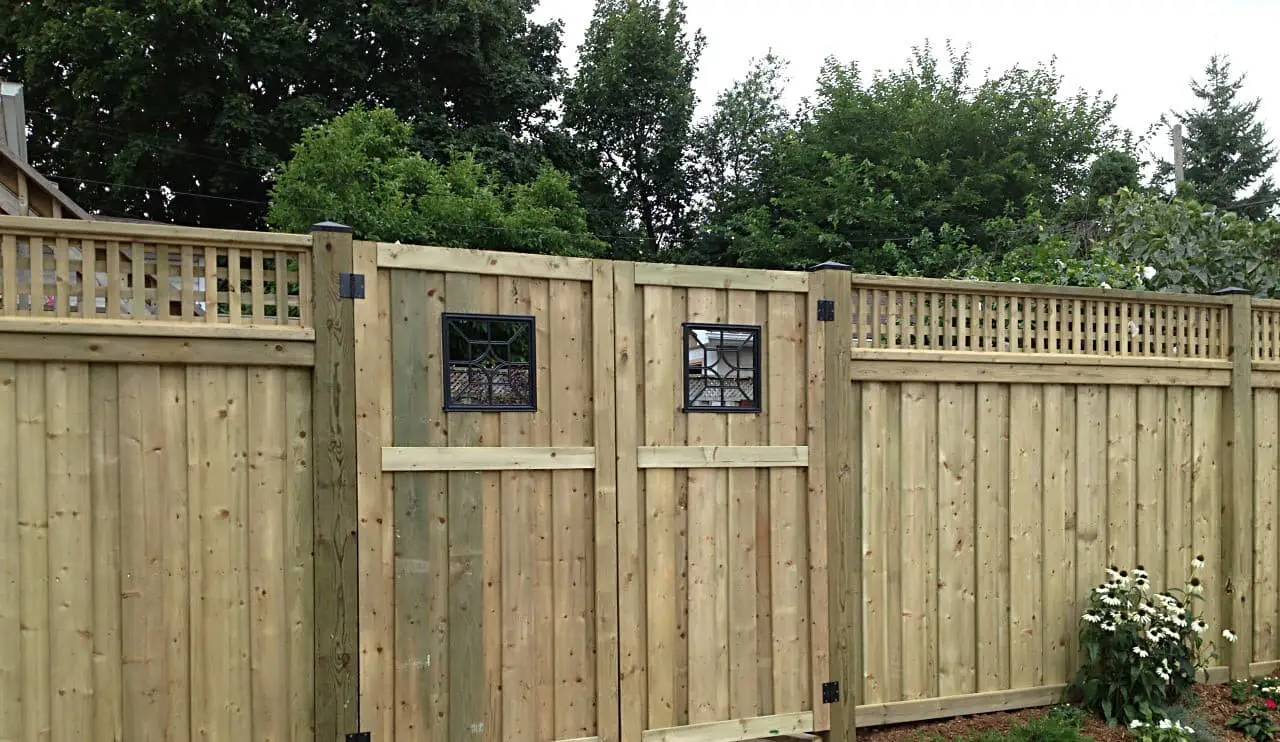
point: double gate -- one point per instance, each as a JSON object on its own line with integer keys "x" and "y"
{"x": 594, "y": 516}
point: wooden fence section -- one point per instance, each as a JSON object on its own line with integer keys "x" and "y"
{"x": 56, "y": 269}
{"x": 155, "y": 552}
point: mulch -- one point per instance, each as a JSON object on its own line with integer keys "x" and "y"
{"x": 1213, "y": 707}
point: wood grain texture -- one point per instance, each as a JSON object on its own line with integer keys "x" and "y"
{"x": 11, "y": 583}
{"x": 337, "y": 615}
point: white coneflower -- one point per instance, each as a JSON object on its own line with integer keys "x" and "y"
{"x": 1229, "y": 635}
{"x": 1199, "y": 626}
{"x": 1141, "y": 652}
{"x": 1194, "y": 586}
{"x": 1136, "y": 724}
{"x": 1112, "y": 574}
{"x": 1108, "y": 627}
{"x": 1092, "y": 617}
{"x": 1197, "y": 564}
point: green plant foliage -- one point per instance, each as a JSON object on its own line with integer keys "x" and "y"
{"x": 1240, "y": 691}
{"x": 1255, "y": 723}
{"x": 359, "y": 169}
{"x": 1060, "y": 725}
{"x": 1268, "y": 688}
{"x": 208, "y": 97}
{"x": 631, "y": 106}
{"x": 1164, "y": 730}
{"x": 1140, "y": 651}
{"x": 874, "y": 162}
{"x": 1193, "y": 247}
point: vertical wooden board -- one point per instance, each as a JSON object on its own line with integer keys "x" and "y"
{"x": 918, "y": 555}
{"x": 199, "y": 387}
{"x": 992, "y": 519}
{"x": 1091, "y": 489}
{"x": 744, "y": 430}
{"x": 957, "y": 574}
{"x": 571, "y": 390}
{"x": 9, "y": 290}
{"x": 1060, "y": 607}
{"x": 62, "y": 278}
{"x": 298, "y": 536}
{"x": 268, "y": 512}
{"x": 1122, "y": 499}
{"x": 764, "y": 552}
{"x": 815, "y": 407}
{"x": 106, "y": 506}
{"x": 876, "y": 501}
{"x": 1026, "y": 549}
{"x": 708, "y": 585}
{"x": 33, "y": 538}
{"x": 421, "y": 517}
{"x": 11, "y": 675}
{"x": 70, "y": 551}
{"x": 465, "y": 515}
{"x": 1178, "y": 477}
{"x": 519, "y": 658}
{"x": 143, "y": 638}
{"x": 1206, "y": 499}
{"x": 660, "y": 378}
{"x": 375, "y": 523}
{"x": 239, "y": 619}
{"x": 543, "y": 606}
{"x": 166, "y": 484}
{"x": 1266, "y": 405}
{"x": 1150, "y": 481}
{"x": 785, "y": 397}
{"x": 632, "y": 621}
{"x": 605, "y": 505}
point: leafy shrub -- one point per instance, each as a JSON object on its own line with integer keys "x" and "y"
{"x": 1268, "y": 689}
{"x": 1240, "y": 692}
{"x": 1255, "y": 723}
{"x": 1165, "y": 730}
{"x": 1063, "y": 724}
{"x": 1140, "y": 651}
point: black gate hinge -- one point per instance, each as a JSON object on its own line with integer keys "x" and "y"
{"x": 826, "y": 310}
{"x": 360, "y": 737}
{"x": 831, "y": 692}
{"x": 351, "y": 285}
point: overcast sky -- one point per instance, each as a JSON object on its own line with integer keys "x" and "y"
{"x": 1141, "y": 51}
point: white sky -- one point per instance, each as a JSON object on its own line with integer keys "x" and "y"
{"x": 1143, "y": 52}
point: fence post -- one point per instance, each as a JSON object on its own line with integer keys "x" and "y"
{"x": 336, "y": 585}
{"x": 831, "y": 301}
{"x": 1238, "y": 504}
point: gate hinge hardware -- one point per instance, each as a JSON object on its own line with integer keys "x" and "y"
{"x": 360, "y": 737}
{"x": 826, "y": 310}
{"x": 831, "y": 692}
{"x": 351, "y": 285}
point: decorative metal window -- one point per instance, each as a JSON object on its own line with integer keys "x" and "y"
{"x": 489, "y": 363}
{"x": 722, "y": 369}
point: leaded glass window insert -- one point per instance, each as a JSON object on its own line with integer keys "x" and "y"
{"x": 722, "y": 370}
{"x": 489, "y": 363}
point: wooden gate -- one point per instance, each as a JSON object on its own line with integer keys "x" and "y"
{"x": 593, "y": 561}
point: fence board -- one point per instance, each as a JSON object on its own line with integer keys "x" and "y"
{"x": 958, "y": 579}
{"x": 11, "y": 582}
{"x": 1266, "y": 555}
{"x": 992, "y": 532}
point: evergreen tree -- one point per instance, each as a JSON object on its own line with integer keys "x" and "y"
{"x": 1228, "y": 154}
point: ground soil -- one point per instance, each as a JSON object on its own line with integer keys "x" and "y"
{"x": 1213, "y": 705}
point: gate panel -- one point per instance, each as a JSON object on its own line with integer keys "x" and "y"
{"x": 714, "y": 506}
{"x": 504, "y": 584}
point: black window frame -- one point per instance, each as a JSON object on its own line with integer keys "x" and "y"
{"x": 757, "y": 377}
{"x": 450, "y": 405}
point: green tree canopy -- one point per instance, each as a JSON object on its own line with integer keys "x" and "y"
{"x": 360, "y": 169}
{"x": 206, "y": 98}
{"x": 631, "y": 109}
{"x": 1228, "y": 155}
{"x": 880, "y": 169}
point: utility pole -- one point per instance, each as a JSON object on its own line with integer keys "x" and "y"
{"x": 1177, "y": 156}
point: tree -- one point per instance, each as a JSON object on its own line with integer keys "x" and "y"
{"x": 139, "y": 108}
{"x": 1192, "y": 247}
{"x": 902, "y": 172}
{"x": 360, "y": 169}
{"x": 1228, "y": 154}
{"x": 734, "y": 148}
{"x": 631, "y": 107}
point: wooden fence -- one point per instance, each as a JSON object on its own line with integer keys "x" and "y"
{"x": 562, "y": 499}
